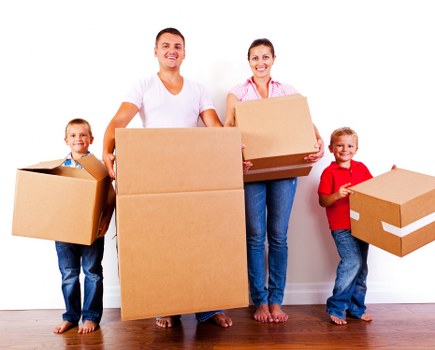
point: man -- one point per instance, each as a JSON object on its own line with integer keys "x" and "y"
{"x": 164, "y": 100}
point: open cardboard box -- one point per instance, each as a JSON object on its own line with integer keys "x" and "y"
{"x": 395, "y": 211}
{"x": 278, "y": 134}
{"x": 60, "y": 203}
{"x": 180, "y": 221}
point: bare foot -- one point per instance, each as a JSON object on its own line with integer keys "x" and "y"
{"x": 166, "y": 321}
{"x": 88, "y": 327}
{"x": 366, "y": 317}
{"x": 262, "y": 314}
{"x": 337, "y": 320}
{"x": 277, "y": 314}
{"x": 63, "y": 327}
{"x": 222, "y": 320}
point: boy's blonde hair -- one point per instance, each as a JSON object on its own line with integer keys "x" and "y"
{"x": 79, "y": 121}
{"x": 345, "y": 130}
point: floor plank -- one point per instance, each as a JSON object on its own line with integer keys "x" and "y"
{"x": 395, "y": 326}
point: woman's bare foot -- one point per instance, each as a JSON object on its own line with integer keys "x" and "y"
{"x": 366, "y": 317}
{"x": 277, "y": 314}
{"x": 63, "y": 327}
{"x": 222, "y": 320}
{"x": 88, "y": 327}
{"x": 337, "y": 320}
{"x": 262, "y": 314}
{"x": 166, "y": 321}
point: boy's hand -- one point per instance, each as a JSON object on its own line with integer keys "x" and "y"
{"x": 344, "y": 191}
{"x": 109, "y": 161}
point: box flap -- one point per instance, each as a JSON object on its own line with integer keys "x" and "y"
{"x": 93, "y": 166}
{"x": 45, "y": 165}
{"x": 167, "y": 160}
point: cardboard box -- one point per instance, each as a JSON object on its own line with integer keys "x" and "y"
{"x": 395, "y": 211}
{"x": 278, "y": 134}
{"x": 60, "y": 203}
{"x": 180, "y": 215}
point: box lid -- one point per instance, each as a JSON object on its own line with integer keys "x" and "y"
{"x": 276, "y": 126}
{"x": 398, "y": 186}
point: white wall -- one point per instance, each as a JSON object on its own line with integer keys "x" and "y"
{"x": 367, "y": 64}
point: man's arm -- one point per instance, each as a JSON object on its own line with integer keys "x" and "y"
{"x": 210, "y": 118}
{"x": 125, "y": 114}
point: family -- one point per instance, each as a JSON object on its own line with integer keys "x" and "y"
{"x": 167, "y": 99}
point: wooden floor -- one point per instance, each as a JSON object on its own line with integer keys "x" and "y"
{"x": 395, "y": 326}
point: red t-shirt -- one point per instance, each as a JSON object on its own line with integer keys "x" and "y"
{"x": 332, "y": 178}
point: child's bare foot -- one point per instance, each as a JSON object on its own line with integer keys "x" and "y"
{"x": 262, "y": 314}
{"x": 63, "y": 327}
{"x": 366, "y": 317}
{"x": 166, "y": 321}
{"x": 222, "y": 320}
{"x": 337, "y": 320}
{"x": 88, "y": 327}
{"x": 277, "y": 314}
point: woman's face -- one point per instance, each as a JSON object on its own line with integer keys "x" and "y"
{"x": 261, "y": 61}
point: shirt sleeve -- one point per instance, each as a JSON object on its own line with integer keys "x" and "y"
{"x": 326, "y": 183}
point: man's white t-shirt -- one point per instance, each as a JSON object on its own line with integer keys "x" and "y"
{"x": 158, "y": 108}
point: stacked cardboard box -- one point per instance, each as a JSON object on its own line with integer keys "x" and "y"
{"x": 395, "y": 211}
{"x": 180, "y": 221}
{"x": 60, "y": 203}
{"x": 278, "y": 134}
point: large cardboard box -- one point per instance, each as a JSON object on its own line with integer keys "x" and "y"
{"x": 180, "y": 221}
{"x": 395, "y": 211}
{"x": 60, "y": 203}
{"x": 278, "y": 134}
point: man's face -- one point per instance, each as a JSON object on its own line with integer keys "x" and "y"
{"x": 170, "y": 50}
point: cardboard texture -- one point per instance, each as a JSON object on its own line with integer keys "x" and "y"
{"x": 395, "y": 211}
{"x": 278, "y": 134}
{"x": 180, "y": 214}
{"x": 61, "y": 203}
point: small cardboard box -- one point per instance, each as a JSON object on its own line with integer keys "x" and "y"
{"x": 180, "y": 221}
{"x": 60, "y": 203}
{"x": 278, "y": 134}
{"x": 395, "y": 211}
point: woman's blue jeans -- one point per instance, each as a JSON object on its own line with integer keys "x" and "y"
{"x": 268, "y": 207}
{"x": 70, "y": 258}
{"x": 348, "y": 295}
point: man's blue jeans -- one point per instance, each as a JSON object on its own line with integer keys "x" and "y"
{"x": 350, "y": 286}
{"x": 268, "y": 207}
{"x": 70, "y": 258}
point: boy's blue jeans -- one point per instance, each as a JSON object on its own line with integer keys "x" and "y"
{"x": 350, "y": 286}
{"x": 268, "y": 206}
{"x": 70, "y": 258}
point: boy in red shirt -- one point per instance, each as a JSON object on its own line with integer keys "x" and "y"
{"x": 350, "y": 287}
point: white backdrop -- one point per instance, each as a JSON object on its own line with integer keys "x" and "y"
{"x": 366, "y": 64}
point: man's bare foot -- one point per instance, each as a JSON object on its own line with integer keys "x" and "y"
{"x": 366, "y": 317}
{"x": 63, "y": 327}
{"x": 277, "y": 314}
{"x": 337, "y": 320}
{"x": 88, "y": 327}
{"x": 166, "y": 321}
{"x": 222, "y": 320}
{"x": 262, "y": 314}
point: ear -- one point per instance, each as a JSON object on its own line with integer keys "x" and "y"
{"x": 91, "y": 140}
{"x": 330, "y": 148}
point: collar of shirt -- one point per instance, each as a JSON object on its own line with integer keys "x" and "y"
{"x": 272, "y": 84}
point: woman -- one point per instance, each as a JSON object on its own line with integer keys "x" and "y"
{"x": 274, "y": 196}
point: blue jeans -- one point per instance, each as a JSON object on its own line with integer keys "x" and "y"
{"x": 268, "y": 206}
{"x": 70, "y": 257}
{"x": 350, "y": 286}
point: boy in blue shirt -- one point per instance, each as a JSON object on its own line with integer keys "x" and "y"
{"x": 78, "y": 136}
